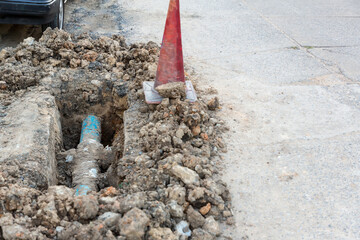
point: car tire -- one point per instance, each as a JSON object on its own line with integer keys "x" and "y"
{"x": 58, "y": 21}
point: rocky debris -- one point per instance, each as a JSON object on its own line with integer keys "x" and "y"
{"x": 15, "y": 232}
{"x": 31, "y": 125}
{"x": 172, "y": 90}
{"x": 110, "y": 219}
{"x": 3, "y": 85}
{"x": 133, "y": 224}
{"x": 195, "y": 219}
{"x": 47, "y": 214}
{"x": 212, "y": 226}
{"x": 131, "y": 201}
{"x": 183, "y": 229}
{"x": 176, "y": 193}
{"x": 196, "y": 194}
{"x": 205, "y": 209}
{"x": 157, "y": 176}
{"x": 213, "y": 104}
{"x": 175, "y": 210}
{"x": 200, "y": 234}
{"x": 161, "y": 234}
{"x": 186, "y": 175}
{"x": 87, "y": 207}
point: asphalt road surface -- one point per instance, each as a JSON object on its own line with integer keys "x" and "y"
{"x": 97, "y": 17}
{"x": 288, "y": 74}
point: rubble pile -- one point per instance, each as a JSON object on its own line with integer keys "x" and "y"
{"x": 163, "y": 182}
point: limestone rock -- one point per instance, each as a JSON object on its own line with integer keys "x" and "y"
{"x": 172, "y": 90}
{"x": 110, "y": 219}
{"x": 201, "y": 234}
{"x": 213, "y": 104}
{"x": 86, "y": 206}
{"x": 188, "y": 176}
{"x": 212, "y": 226}
{"x": 177, "y": 193}
{"x": 47, "y": 215}
{"x": 132, "y": 225}
{"x": 161, "y": 234}
{"x": 131, "y": 201}
{"x": 196, "y": 194}
{"x": 195, "y": 219}
{"x": 175, "y": 209}
{"x": 15, "y": 231}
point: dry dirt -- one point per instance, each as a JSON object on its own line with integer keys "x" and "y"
{"x": 159, "y": 180}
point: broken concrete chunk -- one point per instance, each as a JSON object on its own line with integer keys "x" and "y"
{"x": 110, "y": 219}
{"x": 159, "y": 212}
{"x": 172, "y": 90}
{"x": 165, "y": 103}
{"x": 15, "y": 232}
{"x": 177, "y": 193}
{"x": 212, "y": 226}
{"x": 195, "y": 219}
{"x": 175, "y": 209}
{"x": 107, "y": 200}
{"x": 6, "y": 219}
{"x": 133, "y": 224}
{"x": 213, "y": 104}
{"x": 86, "y": 206}
{"x": 161, "y": 234}
{"x": 131, "y": 201}
{"x": 188, "y": 176}
{"x": 48, "y": 214}
{"x": 196, "y": 194}
{"x": 30, "y": 140}
{"x": 61, "y": 191}
{"x": 201, "y": 234}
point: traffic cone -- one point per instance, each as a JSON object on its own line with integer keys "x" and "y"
{"x": 171, "y": 65}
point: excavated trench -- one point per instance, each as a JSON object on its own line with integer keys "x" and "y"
{"x": 103, "y": 100}
{"x": 111, "y": 124}
{"x": 161, "y": 161}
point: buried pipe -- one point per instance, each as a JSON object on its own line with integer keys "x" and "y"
{"x": 85, "y": 168}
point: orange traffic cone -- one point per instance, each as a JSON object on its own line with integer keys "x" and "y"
{"x": 171, "y": 64}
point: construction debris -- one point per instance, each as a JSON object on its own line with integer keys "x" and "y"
{"x": 159, "y": 181}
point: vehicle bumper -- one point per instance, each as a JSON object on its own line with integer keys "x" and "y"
{"x": 23, "y": 12}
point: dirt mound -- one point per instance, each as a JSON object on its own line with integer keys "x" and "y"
{"x": 162, "y": 182}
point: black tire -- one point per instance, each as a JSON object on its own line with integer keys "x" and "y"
{"x": 58, "y": 21}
